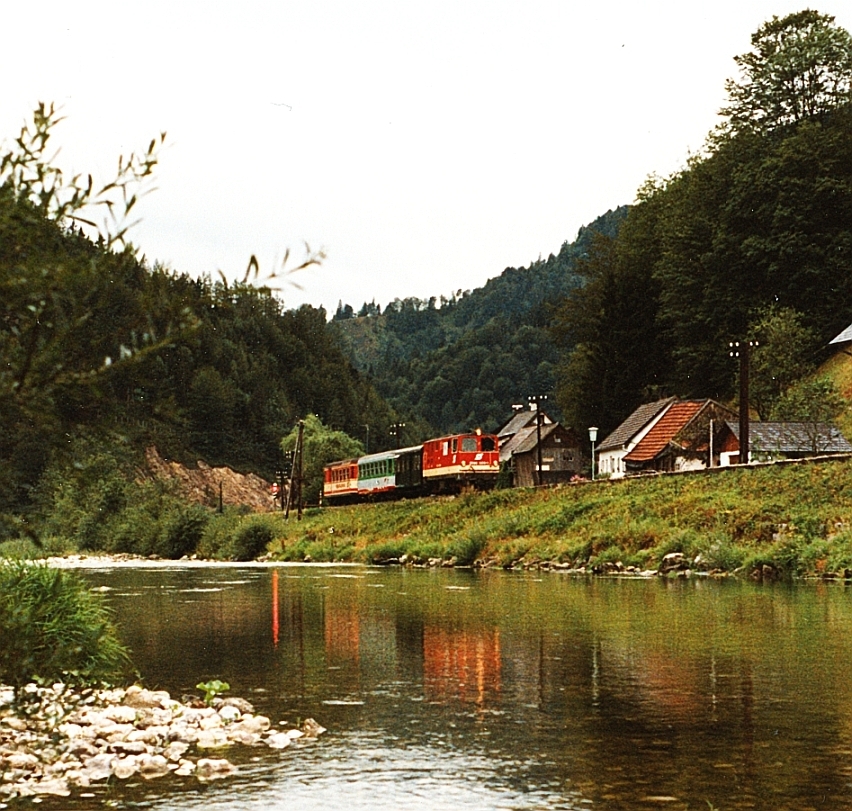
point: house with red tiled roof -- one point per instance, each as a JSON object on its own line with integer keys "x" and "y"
{"x": 615, "y": 446}
{"x": 667, "y": 435}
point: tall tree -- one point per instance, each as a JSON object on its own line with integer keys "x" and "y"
{"x": 800, "y": 66}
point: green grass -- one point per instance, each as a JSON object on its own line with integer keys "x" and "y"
{"x": 794, "y": 518}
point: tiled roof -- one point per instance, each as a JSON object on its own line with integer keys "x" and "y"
{"x": 666, "y": 429}
{"x": 622, "y": 435}
{"x": 794, "y": 437}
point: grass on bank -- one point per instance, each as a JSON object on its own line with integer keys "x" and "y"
{"x": 796, "y": 518}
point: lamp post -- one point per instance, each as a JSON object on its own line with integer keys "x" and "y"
{"x": 593, "y": 437}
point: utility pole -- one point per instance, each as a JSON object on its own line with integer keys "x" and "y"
{"x": 537, "y": 400}
{"x": 296, "y": 480}
{"x": 742, "y": 350}
{"x": 396, "y": 431}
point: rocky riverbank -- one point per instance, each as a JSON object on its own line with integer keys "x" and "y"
{"x": 56, "y": 739}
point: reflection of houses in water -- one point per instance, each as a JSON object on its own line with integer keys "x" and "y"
{"x": 342, "y": 631}
{"x": 461, "y": 663}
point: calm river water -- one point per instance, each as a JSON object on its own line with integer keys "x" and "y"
{"x": 446, "y": 689}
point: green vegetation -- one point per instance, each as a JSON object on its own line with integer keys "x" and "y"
{"x": 759, "y": 220}
{"x": 102, "y": 356}
{"x": 462, "y": 365}
{"x": 52, "y": 628}
{"x": 794, "y": 518}
{"x": 212, "y": 689}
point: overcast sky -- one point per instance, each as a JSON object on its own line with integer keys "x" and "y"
{"x": 425, "y": 146}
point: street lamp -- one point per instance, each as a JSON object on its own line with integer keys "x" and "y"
{"x": 593, "y": 437}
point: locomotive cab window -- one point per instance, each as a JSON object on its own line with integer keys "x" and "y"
{"x": 488, "y": 443}
{"x": 455, "y": 445}
{"x": 468, "y": 444}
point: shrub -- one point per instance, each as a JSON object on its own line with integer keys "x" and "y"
{"x": 52, "y": 627}
{"x": 251, "y": 540}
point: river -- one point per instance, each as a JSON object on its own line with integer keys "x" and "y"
{"x": 455, "y": 689}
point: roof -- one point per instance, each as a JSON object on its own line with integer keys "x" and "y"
{"x": 794, "y": 437}
{"x": 665, "y": 430}
{"x": 526, "y": 440}
{"x": 844, "y": 336}
{"x": 521, "y": 420}
{"x": 622, "y": 435}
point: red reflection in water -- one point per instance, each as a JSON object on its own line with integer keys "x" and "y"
{"x": 275, "y": 625}
{"x": 464, "y": 664}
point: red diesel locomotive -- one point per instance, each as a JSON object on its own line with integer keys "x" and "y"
{"x": 445, "y": 465}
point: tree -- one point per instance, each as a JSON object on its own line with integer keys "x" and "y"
{"x": 782, "y": 358}
{"x": 815, "y": 403}
{"x": 800, "y": 66}
{"x": 320, "y": 445}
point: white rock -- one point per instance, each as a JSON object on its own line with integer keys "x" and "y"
{"x": 212, "y": 739}
{"x": 125, "y": 767}
{"x": 121, "y": 714}
{"x": 279, "y": 740}
{"x": 98, "y": 767}
{"x": 151, "y": 766}
{"x": 229, "y": 713}
{"x": 185, "y": 768}
{"x": 213, "y": 769}
{"x": 22, "y": 760}
{"x": 57, "y": 787}
{"x": 175, "y": 751}
{"x": 255, "y": 723}
{"x": 243, "y": 736}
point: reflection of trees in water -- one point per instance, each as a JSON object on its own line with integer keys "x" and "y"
{"x": 690, "y": 691}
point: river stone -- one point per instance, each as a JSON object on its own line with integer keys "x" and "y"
{"x": 139, "y": 697}
{"x": 278, "y": 740}
{"x": 121, "y": 714}
{"x": 312, "y": 729}
{"x": 243, "y": 736}
{"x": 254, "y": 723}
{"x": 229, "y": 713}
{"x": 22, "y": 760}
{"x": 213, "y": 769}
{"x": 98, "y": 767}
{"x": 125, "y": 767}
{"x": 240, "y": 703}
{"x": 211, "y": 722}
{"x": 185, "y": 768}
{"x": 57, "y": 787}
{"x": 18, "y": 724}
{"x": 212, "y": 739}
{"x": 151, "y": 766}
{"x": 128, "y": 747}
{"x": 175, "y": 751}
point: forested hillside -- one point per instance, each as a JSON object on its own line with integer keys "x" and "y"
{"x": 458, "y": 363}
{"x": 753, "y": 235}
{"x": 100, "y": 354}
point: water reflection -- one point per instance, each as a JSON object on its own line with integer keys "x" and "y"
{"x": 489, "y": 690}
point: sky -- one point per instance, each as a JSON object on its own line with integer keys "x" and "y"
{"x": 423, "y": 146}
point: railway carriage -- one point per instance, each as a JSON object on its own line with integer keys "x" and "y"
{"x": 443, "y": 465}
{"x": 340, "y": 481}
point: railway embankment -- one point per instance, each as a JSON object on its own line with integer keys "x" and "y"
{"x": 770, "y": 521}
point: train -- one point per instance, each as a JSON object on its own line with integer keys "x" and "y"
{"x": 445, "y": 465}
